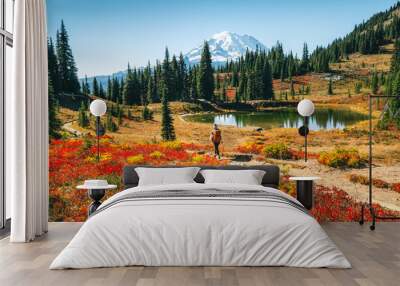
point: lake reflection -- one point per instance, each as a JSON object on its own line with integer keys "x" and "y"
{"x": 287, "y": 118}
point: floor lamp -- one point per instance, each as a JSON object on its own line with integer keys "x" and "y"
{"x": 98, "y": 108}
{"x": 369, "y": 205}
{"x": 306, "y": 109}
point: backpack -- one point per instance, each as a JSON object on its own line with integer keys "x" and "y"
{"x": 216, "y": 137}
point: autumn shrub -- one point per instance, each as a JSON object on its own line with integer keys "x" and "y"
{"x": 136, "y": 159}
{"x": 396, "y": 187}
{"x": 156, "y": 155}
{"x": 174, "y": 145}
{"x": 334, "y": 204}
{"x": 278, "y": 151}
{"x": 363, "y": 180}
{"x": 342, "y": 158}
{"x": 358, "y": 179}
{"x": 250, "y": 147}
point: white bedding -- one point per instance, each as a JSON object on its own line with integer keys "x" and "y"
{"x": 200, "y": 231}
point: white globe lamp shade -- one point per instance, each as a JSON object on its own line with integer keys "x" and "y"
{"x": 98, "y": 107}
{"x": 305, "y": 107}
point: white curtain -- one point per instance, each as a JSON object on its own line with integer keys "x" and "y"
{"x": 27, "y": 124}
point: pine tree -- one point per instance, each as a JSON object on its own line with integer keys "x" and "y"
{"x": 174, "y": 78}
{"x": 292, "y": 91}
{"x": 119, "y": 116}
{"x": 96, "y": 90}
{"x": 54, "y": 76}
{"x": 68, "y": 73}
{"x": 268, "y": 92}
{"x": 83, "y": 119}
{"x": 305, "y": 62}
{"x": 128, "y": 92}
{"x": 395, "y": 62}
{"x": 115, "y": 90}
{"x": 109, "y": 89}
{"x": 330, "y": 87}
{"x": 258, "y": 78}
{"x": 241, "y": 92}
{"x": 193, "y": 85}
{"x": 166, "y": 77}
{"x": 54, "y": 122}
{"x": 235, "y": 79}
{"x": 250, "y": 87}
{"x": 102, "y": 93}
{"x": 167, "y": 125}
{"x": 357, "y": 87}
{"x": 374, "y": 83}
{"x": 223, "y": 94}
{"x": 150, "y": 90}
{"x": 85, "y": 87}
{"x": 183, "y": 92}
{"x": 206, "y": 75}
{"x": 110, "y": 124}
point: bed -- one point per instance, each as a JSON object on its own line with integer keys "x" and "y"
{"x": 199, "y": 224}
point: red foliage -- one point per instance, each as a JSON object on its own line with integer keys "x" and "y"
{"x": 333, "y": 204}
{"x": 396, "y": 187}
{"x": 74, "y": 160}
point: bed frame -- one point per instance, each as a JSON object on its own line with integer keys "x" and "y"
{"x": 271, "y": 178}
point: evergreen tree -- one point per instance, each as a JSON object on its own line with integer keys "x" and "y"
{"x": 182, "y": 80}
{"x": 193, "y": 84}
{"x": 241, "y": 92}
{"x": 292, "y": 91}
{"x": 330, "y": 87}
{"x": 167, "y": 125}
{"x": 83, "y": 118}
{"x": 357, "y": 87}
{"x": 250, "y": 87}
{"x": 54, "y": 76}
{"x": 96, "y": 90}
{"x": 119, "y": 116}
{"x": 54, "y": 122}
{"x": 85, "y": 87}
{"x": 374, "y": 83}
{"x": 115, "y": 92}
{"x": 268, "y": 92}
{"x": 109, "y": 89}
{"x": 68, "y": 73}
{"x": 175, "y": 84}
{"x": 128, "y": 88}
{"x": 167, "y": 84}
{"x": 235, "y": 79}
{"x": 206, "y": 75}
{"x": 258, "y": 88}
{"x": 102, "y": 93}
{"x": 305, "y": 62}
{"x": 110, "y": 124}
{"x": 395, "y": 62}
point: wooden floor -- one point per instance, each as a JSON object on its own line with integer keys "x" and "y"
{"x": 375, "y": 257}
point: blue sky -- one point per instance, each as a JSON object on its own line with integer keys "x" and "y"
{"x": 106, "y": 34}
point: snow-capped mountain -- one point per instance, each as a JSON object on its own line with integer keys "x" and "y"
{"x": 224, "y": 46}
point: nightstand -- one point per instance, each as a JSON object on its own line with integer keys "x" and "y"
{"x": 304, "y": 188}
{"x": 96, "y": 191}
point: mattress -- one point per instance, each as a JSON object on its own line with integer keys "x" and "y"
{"x": 201, "y": 225}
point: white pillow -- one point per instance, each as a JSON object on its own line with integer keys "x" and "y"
{"x": 166, "y": 176}
{"x": 248, "y": 177}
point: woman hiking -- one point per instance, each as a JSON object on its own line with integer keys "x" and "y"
{"x": 216, "y": 139}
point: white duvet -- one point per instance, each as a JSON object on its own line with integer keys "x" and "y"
{"x": 200, "y": 231}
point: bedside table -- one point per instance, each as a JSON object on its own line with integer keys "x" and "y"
{"x": 96, "y": 191}
{"x": 304, "y": 188}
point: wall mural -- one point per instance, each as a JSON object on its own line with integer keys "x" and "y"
{"x": 167, "y": 94}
